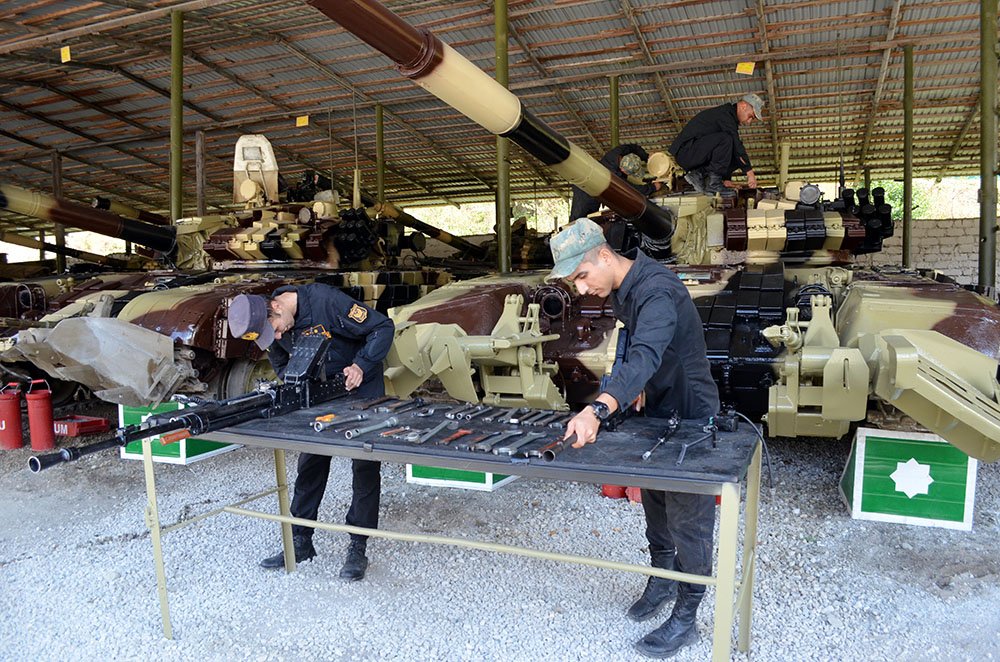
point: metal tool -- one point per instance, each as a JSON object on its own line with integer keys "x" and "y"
{"x": 672, "y": 424}
{"x": 513, "y": 413}
{"x": 433, "y": 431}
{"x": 528, "y": 416}
{"x": 458, "y": 435}
{"x": 710, "y": 433}
{"x": 430, "y": 411}
{"x": 549, "y": 451}
{"x": 488, "y": 445}
{"x": 371, "y": 403}
{"x": 410, "y": 436}
{"x": 509, "y": 449}
{"x": 562, "y": 420}
{"x": 477, "y": 413}
{"x": 548, "y": 418}
{"x": 469, "y": 443}
{"x": 393, "y": 432}
{"x": 388, "y": 423}
{"x": 321, "y": 423}
{"x": 454, "y": 413}
{"x": 401, "y": 407}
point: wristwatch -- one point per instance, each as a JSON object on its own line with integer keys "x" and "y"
{"x": 601, "y": 410}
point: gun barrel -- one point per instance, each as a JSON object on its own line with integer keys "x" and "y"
{"x": 37, "y": 205}
{"x": 40, "y": 462}
{"x": 390, "y": 210}
{"x": 127, "y": 211}
{"x": 442, "y": 71}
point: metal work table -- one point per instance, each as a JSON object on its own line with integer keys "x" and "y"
{"x": 614, "y": 459}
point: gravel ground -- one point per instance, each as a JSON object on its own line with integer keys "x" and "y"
{"x": 77, "y": 580}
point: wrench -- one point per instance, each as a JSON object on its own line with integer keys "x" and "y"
{"x": 458, "y": 435}
{"x": 388, "y": 423}
{"x": 527, "y": 419}
{"x": 401, "y": 407}
{"x": 476, "y": 413}
{"x": 454, "y": 413}
{"x": 319, "y": 426}
{"x": 562, "y": 420}
{"x": 372, "y": 403}
{"x": 469, "y": 443}
{"x": 513, "y": 413}
{"x": 487, "y": 446}
{"x": 509, "y": 449}
{"x": 430, "y": 411}
{"x": 433, "y": 431}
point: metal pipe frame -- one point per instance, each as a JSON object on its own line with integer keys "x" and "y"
{"x": 58, "y": 229}
{"x": 176, "y": 115}
{"x": 988, "y": 143}
{"x": 503, "y": 210}
{"x": 379, "y": 153}
{"x": 614, "y": 112}
{"x": 199, "y": 172}
{"x": 907, "y": 156}
{"x": 734, "y": 595}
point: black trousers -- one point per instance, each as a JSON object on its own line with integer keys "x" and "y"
{"x": 366, "y": 489}
{"x": 582, "y": 205}
{"x": 713, "y": 153}
{"x": 685, "y": 522}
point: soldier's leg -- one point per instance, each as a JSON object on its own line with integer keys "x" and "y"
{"x": 310, "y": 484}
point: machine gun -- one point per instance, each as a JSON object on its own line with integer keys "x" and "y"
{"x": 305, "y": 385}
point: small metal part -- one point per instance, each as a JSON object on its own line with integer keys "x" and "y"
{"x": 457, "y": 435}
{"x": 388, "y": 423}
{"x": 672, "y": 424}
{"x": 371, "y": 403}
{"x": 487, "y": 446}
{"x": 454, "y": 413}
{"x": 509, "y": 449}
{"x": 433, "y": 431}
{"x": 562, "y": 421}
{"x": 710, "y": 433}
{"x": 406, "y": 404}
{"x": 476, "y": 414}
{"x": 512, "y": 414}
{"x": 430, "y": 411}
{"x": 400, "y": 408}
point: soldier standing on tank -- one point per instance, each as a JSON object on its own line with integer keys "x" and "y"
{"x": 361, "y": 339}
{"x": 624, "y": 161}
{"x": 666, "y": 360}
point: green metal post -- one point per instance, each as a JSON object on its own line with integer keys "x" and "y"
{"x": 614, "y": 111}
{"x": 59, "y": 229}
{"x": 379, "y": 152}
{"x": 41, "y": 249}
{"x": 176, "y": 114}
{"x": 868, "y": 178}
{"x": 988, "y": 143}
{"x": 199, "y": 172}
{"x": 907, "y": 155}
{"x": 503, "y": 146}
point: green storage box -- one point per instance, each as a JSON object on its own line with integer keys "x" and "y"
{"x": 467, "y": 480}
{"x": 184, "y": 451}
{"x": 909, "y": 478}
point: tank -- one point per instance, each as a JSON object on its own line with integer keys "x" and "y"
{"x": 172, "y": 320}
{"x": 797, "y": 335}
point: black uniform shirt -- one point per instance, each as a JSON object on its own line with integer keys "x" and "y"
{"x": 666, "y": 353}
{"x": 721, "y": 119}
{"x": 360, "y": 334}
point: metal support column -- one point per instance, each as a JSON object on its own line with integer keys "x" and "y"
{"x": 503, "y": 146}
{"x": 41, "y": 240}
{"x": 988, "y": 143}
{"x": 153, "y": 522}
{"x": 59, "y": 229}
{"x": 199, "y": 171}
{"x": 379, "y": 152}
{"x": 786, "y": 157}
{"x": 907, "y": 155}
{"x": 176, "y": 114}
{"x": 287, "y": 544}
{"x": 868, "y": 179}
{"x": 614, "y": 112}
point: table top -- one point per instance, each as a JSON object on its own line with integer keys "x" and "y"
{"x": 615, "y": 458}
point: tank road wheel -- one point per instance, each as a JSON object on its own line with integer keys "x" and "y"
{"x": 242, "y": 376}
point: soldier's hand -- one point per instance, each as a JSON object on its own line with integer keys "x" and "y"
{"x": 585, "y": 426}
{"x": 353, "y": 376}
{"x": 751, "y": 179}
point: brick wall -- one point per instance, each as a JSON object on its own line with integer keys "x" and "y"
{"x": 950, "y": 246}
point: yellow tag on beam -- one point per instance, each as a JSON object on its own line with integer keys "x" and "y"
{"x": 64, "y": 55}
{"x": 745, "y": 68}
{"x": 302, "y": 120}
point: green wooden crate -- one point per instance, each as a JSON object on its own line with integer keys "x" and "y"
{"x": 184, "y": 451}
{"x": 467, "y": 480}
{"x": 909, "y": 478}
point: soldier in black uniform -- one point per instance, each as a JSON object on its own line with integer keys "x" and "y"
{"x": 710, "y": 149}
{"x": 361, "y": 339}
{"x": 666, "y": 360}
{"x": 616, "y": 160}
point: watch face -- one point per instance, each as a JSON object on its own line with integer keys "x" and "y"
{"x": 600, "y": 410}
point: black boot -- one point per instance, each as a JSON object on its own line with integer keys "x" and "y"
{"x": 658, "y": 590}
{"x": 696, "y": 179}
{"x": 714, "y": 185}
{"x": 680, "y": 630}
{"x": 356, "y": 562}
{"x": 304, "y": 551}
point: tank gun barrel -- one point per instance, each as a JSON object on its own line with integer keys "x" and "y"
{"x": 390, "y": 210}
{"x": 442, "y": 71}
{"x": 28, "y": 242}
{"x": 38, "y": 205}
{"x": 127, "y": 211}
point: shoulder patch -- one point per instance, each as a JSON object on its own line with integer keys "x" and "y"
{"x": 358, "y": 313}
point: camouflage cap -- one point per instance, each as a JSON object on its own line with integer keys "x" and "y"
{"x": 755, "y": 102}
{"x": 571, "y": 245}
{"x": 248, "y": 319}
{"x": 632, "y": 165}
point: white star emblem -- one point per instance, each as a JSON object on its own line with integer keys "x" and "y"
{"x": 912, "y": 478}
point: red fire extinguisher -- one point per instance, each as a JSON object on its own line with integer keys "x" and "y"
{"x": 10, "y": 417}
{"x": 43, "y": 435}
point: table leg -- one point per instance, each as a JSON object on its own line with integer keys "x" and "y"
{"x": 749, "y": 550}
{"x": 726, "y": 575}
{"x": 284, "y": 509}
{"x": 153, "y": 522}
